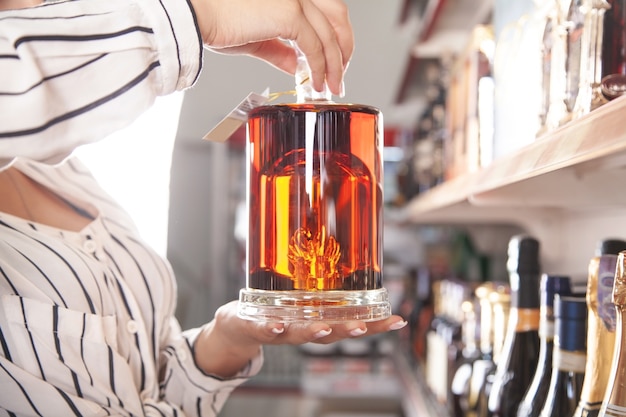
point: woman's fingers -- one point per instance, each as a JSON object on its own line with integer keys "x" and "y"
{"x": 321, "y": 28}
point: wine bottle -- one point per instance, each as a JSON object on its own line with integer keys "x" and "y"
{"x": 484, "y": 362}
{"x": 459, "y": 387}
{"x": 569, "y": 356}
{"x": 535, "y": 396}
{"x": 484, "y": 370}
{"x": 600, "y": 333}
{"x": 520, "y": 353}
{"x": 614, "y": 402}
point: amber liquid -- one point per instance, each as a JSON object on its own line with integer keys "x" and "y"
{"x": 315, "y": 197}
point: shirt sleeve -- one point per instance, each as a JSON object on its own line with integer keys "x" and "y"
{"x": 185, "y": 384}
{"x": 75, "y": 71}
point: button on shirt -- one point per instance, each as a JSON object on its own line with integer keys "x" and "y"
{"x": 85, "y": 335}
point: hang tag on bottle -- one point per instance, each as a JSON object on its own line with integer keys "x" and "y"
{"x": 237, "y": 117}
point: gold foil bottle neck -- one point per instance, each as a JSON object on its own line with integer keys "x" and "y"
{"x": 619, "y": 288}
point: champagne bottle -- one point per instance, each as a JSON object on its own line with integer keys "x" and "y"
{"x": 569, "y": 356}
{"x": 535, "y": 396}
{"x": 483, "y": 364}
{"x": 614, "y": 403}
{"x": 459, "y": 388}
{"x": 600, "y": 333}
{"x": 484, "y": 371}
{"x": 520, "y": 353}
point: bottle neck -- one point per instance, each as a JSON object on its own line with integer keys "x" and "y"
{"x": 600, "y": 343}
{"x": 615, "y": 397}
{"x": 616, "y": 392}
{"x": 546, "y": 323}
{"x": 568, "y": 361}
{"x": 305, "y": 92}
{"x": 600, "y": 340}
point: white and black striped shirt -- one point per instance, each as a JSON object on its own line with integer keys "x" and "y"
{"x": 72, "y": 72}
{"x": 87, "y": 323}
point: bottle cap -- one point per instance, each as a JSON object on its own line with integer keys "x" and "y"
{"x": 554, "y": 284}
{"x": 523, "y": 254}
{"x": 570, "y": 322}
{"x": 610, "y": 247}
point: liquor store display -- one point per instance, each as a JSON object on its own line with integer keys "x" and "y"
{"x": 547, "y": 341}
{"x": 533, "y": 346}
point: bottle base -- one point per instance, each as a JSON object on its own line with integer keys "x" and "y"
{"x": 327, "y": 306}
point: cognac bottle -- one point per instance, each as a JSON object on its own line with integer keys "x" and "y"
{"x": 315, "y": 203}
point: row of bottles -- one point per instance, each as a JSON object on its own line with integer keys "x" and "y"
{"x": 536, "y": 346}
{"x": 512, "y": 84}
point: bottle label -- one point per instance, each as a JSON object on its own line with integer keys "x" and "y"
{"x": 586, "y": 409}
{"x": 568, "y": 361}
{"x": 546, "y": 328}
{"x": 236, "y": 118}
{"x": 527, "y": 319}
{"x": 612, "y": 410}
{"x": 606, "y": 278}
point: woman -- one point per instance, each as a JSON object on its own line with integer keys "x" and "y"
{"x": 87, "y": 321}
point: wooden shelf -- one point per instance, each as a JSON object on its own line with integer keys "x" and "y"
{"x": 576, "y": 167}
{"x": 564, "y": 188}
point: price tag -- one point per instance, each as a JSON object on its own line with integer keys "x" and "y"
{"x": 237, "y": 117}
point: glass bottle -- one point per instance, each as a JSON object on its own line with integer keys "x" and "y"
{"x": 569, "y": 356}
{"x": 556, "y": 42}
{"x": 520, "y": 353}
{"x": 551, "y": 285}
{"x": 600, "y": 331}
{"x": 470, "y": 352}
{"x": 315, "y": 203}
{"x": 614, "y": 50}
{"x": 574, "y": 24}
{"x": 614, "y": 402}
{"x": 590, "y": 95}
{"x": 484, "y": 370}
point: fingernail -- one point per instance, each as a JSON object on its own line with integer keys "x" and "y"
{"x": 358, "y": 332}
{"x": 278, "y": 330}
{"x": 398, "y": 325}
{"x": 322, "y": 333}
{"x": 342, "y": 89}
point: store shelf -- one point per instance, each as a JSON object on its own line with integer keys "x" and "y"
{"x": 418, "y": 401}
{"x": 564, "y": 189}
{"x": 577, "y": 167}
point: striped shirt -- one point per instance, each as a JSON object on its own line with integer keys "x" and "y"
{"x": 87, "y": 323}
{"x": 72, "y": 72}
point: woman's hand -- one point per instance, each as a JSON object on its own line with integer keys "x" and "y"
{"x": 228, "y": 342}
{"x": 321, "y": 29}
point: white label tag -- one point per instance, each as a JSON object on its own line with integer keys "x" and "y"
{"x": 237, "y": 117}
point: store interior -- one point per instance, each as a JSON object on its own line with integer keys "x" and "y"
{"x": 455, "y": 193}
